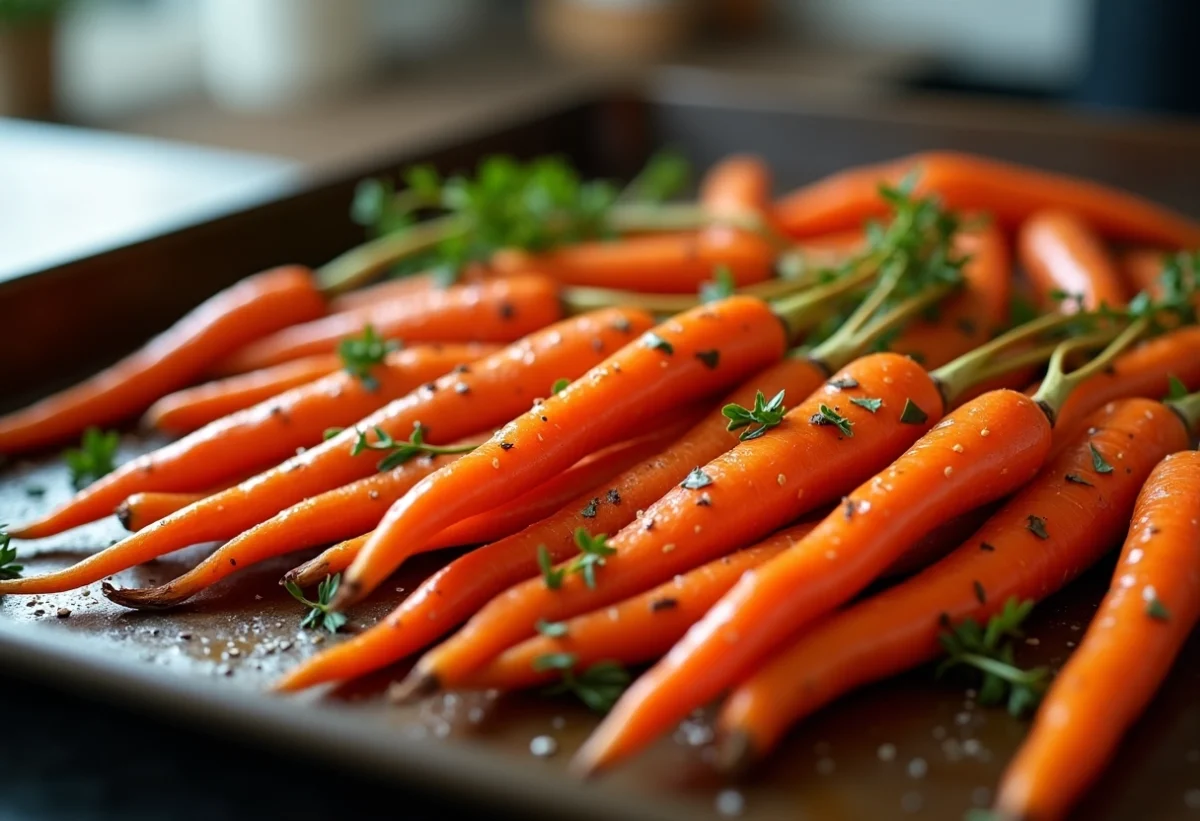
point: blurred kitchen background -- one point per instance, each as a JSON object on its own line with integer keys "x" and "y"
{"x": 316, "y": 85}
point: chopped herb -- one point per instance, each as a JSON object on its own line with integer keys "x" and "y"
{"x": 592, "y": 552}
{"x": 622, "y": 325}
{"x": 696, "y": 480}
{"x": 330, "y": 433}
{"x": 599, "y": 686}
{"x": 663, "y": 604}
{"x": 553, "y": 661}
{"x": 613, "y": 496}
{"x": 709, "y": 358}
{"x": 559, "y": 385}
{"x": 826, "y": 415}
{"x": 867, "y": 402}
{"x": 848, "y": 508}
{"x": 912, "y": 415}
{"x": 1156, "y": 610}
{"x": 590, "y": 510}
{"x": 989, "y": 650}
{"x": 551, "y": 629}
{"x": 721, "y": 287}
{"x": 8, "y": 557}
{"x": 980, "y": 593}
{"x": 843, "y": 382}
{"x": 1037, "y": 526}
{"x": 1175, "y": 387}
{"x": 550, "y": 574}
{"x": 361, "y": 353}
{"x": 1098, "y": 463}
{"x": 404, "y": 451}
{"x": 1076, "y": 479}
{"x": 94, "y": 457}
{"x": 653, "y": 340}
{"x": 757, "y": 420}
{"x": 36, "y": 491}
{"x": 319, "y": 615}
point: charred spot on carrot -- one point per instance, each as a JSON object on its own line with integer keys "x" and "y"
{"x": 710, "y": 358}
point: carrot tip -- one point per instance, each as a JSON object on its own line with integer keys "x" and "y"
{"x": 735, "y": 753}
{"x": 140, "y": 598}
{"x": 416, "y": 685}
{"x": 124, "y": 514}
{"x": 306, "y": 574}
{"x": 348, "y": 593}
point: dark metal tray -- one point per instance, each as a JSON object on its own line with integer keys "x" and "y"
{"x": 205, "y": 664}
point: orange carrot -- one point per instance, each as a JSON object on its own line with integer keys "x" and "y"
{"x": 186, "y": 410}
{"x": 495, "y": 310}
{"x": 686, "y": 358}
{"x": 142, "y": 509}
{"x": 251, "y": 309}
{"x": 1081, "y": 513}
{"x": 258, "y": 436}
{"x": 967, "y": 182}
{"x": 1140, "y": 269}
{"x": 1134, "y": 638}
{"x": 490, "y": 392}
{"x": 980, "y": 452}
{"x": 637, "y": 629}
{"x": 462, "y": 587}
{"x": 737, "y": 186}
{"x": 1061, "y": 253}
{"x": 389, "y": 289}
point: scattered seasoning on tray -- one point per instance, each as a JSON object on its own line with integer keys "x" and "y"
{"x": 730, "y": 803}
{"x": 63, "y": 613}
{"x": 543, "y": 746}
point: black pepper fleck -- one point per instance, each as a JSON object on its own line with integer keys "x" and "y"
{"x": 663, "y": 604}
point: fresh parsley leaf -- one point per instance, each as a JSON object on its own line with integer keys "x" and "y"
{"x": 696, "y": 480}
{"x": 551, "y": 575}
{"x": 94, "y": 457}
{"x": 359, "y": 354}
{"x": 757, "y": 420}
{"x": 592, "y": 552}
{"x": 1175, "y": 387}
{"x": 599, "y": 686}
{"x": 912, "y": 414}
{"x": 1076, "y": 479}
{"x": 867, "y": 402}
{"x": 1156, "y": 610}
{"x": 656, "y": 342}
{"x": 551, "y": 629}
{"x": 1098, "y": 463}
{"x": 559, "y": 385}
{"x": 721, "y": 287}
{"x": 9, "y": 569}
{"x": 826, "y": 415}
{"x": 319, "y": 614}
{"x": 1037, "y": 526}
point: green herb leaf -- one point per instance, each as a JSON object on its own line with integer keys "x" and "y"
{"x": 710, "y": 358}
{"x": 655, "y": 341}
{"x": 551, "y": 629}
{"x": 592, "y": 553}
{"x": 1098, "y": 463}
{"x": 400, "y": 452}
{"x": 559, "y": 385}
{"x": 9, "y": 569}
{"x": 843, "y": 383}
{"x": 319, "y": 614}
{"x": 696, "y": 480}
{"x": 94, "y": 458}
{"x": 359, "y": 354}
{"x": 757, "y": 420}
{"x": 867, "y": 402}
{"x": 553, "y": 661}
{"x": 665, "y": 174}
{"x": 721, "y": 287}
{"x": 1175, "y": 387}
{"x": 1037, "y": 526}
{"x": 330, "y": 433}
{"x": 912, "y": 415}
{"x": 1156, "y": 610}
{"x": 1076, "y": 479}
{"x": 826, "y": 415}
{"x": 598, "y": 687}
{"x": 551, "y": 575}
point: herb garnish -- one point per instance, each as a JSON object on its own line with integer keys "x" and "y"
{"x": 361, "y": 353}
{"x": 319, "y": 614}
{"x": 1076, "y": 479}
{"x": 722, "y": 285}
{"x": 912, "y": 414}
{"x": 655, "y": 341}
{"x": 592, "y": 552}
{"x": 696, "y": 480}
{"x": 843, "y": 382}
{"x": 591, "y": 509}
{"x": 709, "y": 358}
{"x": 1156, "y": 610}
{"x": 764, "y": 414}
{"x": 1175, "y": 387}
{"x": 990, "y": 651}
{"x": 402, "y": 451}
{"x": 599, "y": 686}
{"x": 826, "y": 415}
{"x": 870, "y": 403}
{"x": 551, "y": 575}
{"x": 1098, "y": 463}
{"x": 94, "y": 457}
{"x": 551, "y": 629}
{"x": 8, "y": 557}
{"x": 559, "y": 385}
{"x": 1037, "y": 526}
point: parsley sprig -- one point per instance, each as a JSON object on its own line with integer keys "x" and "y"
{"x": 94, "y": 458}
{"x": 9, "y": 569}
{"x": 399, "y": 452}
{"x": 599, "y": 686}
{"x": 593, "y": 550}
{"x": 319, "y": 615}
{"x": 989, "y": 650}
{"x": 359, "y": 354}
{"x": 721, "y": 286}
{"x": 754, "y": 422}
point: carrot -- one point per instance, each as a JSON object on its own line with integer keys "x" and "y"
{"x": 452, "y": 594}
{"x": 969, "y": 182}
{"x": 693, "y": 355}
{"x": 495, "y": 310}
{"x": 400, "y": 287}
{"x": 258, "y": 436}
{"x": 142, "y": 509}
{"x": 738, "y": 185}
{"x": 1061, "y": 253}
{"x": 1140, "y": 268}
{"x": 1006, "y": 558}
{"x": 637, "y": 629}
{"x": 490, "y": 392}
{"x": 252, "y": 308}
{"x": 186, "y": 410}
{"x": 1134, "y": 638}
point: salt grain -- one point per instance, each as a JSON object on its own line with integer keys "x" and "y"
{"x": 543, "y": 746}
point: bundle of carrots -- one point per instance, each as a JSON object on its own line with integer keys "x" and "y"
{"x": 688, "y": 436}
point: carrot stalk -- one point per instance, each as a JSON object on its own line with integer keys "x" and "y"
{"x": 251, "y": 309}
{"x": 490, "y": 392}
{"x": 1079, "y": 510}
{"x": 258, "y": 436}
{"x": 1065, "y": 258}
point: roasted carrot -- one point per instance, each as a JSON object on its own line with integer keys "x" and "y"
{"x": 400, "y": 287}
{"x": 1039, "y": 540}
{"x": 258, "y": 436}
{"x": 253, "y": 308}
{"x": 739, "y": 185}
{"x": 637, "y": 629}
{"x": 1011, "y": 192}
{"x": 1134, "y": 638}
{"x": 142, "y": 509}
{"x": 186, "y": 410}
{"x": 1140, "y": 268}
{"x": 495, "y": 310}
{"x": 1062, "y": 254}
{"x": 489, "y": 392}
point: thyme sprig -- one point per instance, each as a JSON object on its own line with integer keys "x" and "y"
{"x": 399, "y": 452}
{"x": 359, "y": 354}
{"x": 599, "y": 686}
{"x": 319, "y": 615}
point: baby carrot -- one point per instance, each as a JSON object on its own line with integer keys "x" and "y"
{"x": 1134, "y": 638}
{"x": 737, "y": 186}
{"x": 252, "y": 308}
{"x": 258, "y": 436}
{"x": 1061, "y": 253}
{"x": 637, "y": 629}
{"x": 495, "y": 310}
{"x": 1140, "y": 269}
{"x": 968, "y": 182}
{"x": 142, "y": 509}
{"x": 186, "y": 410}
{"x": 399, "y": 287}
{"x": 1039, "y": 540}
{"x": 489, "y": 392}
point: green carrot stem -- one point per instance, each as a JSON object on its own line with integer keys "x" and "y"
{"x": 1058, "y": 384}
{"x": 580, "y": 299}
{"x": 803, "y": 310}
{"x": 361, "y": 264}
{"x": 841, "y": 346}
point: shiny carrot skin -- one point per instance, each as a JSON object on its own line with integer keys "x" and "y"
{"x": 142, "y": 509}
{"x": 456, "y": 592}
{"x": 496, "y": 310}
{"x": 192, "y": 408}
{"x": 980, "y": 452}
{"x": 968, "y": 182}
{"x": 335, "y": 514}
{"x": 1127, "y": 652}
{"x": 1060, "y": 251}
{"x": 737, "y": 185}
{"x": 261, "y": 435}
{"x": 898, "y": 628}
{"x": 757, "y": 487}
{"x": 691, "y": 355}
{"x": 253, "y": 308}
{"x": 493, "y": 390}
{"x": 637, "y": 629}
{"x": 402, "y": 286}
